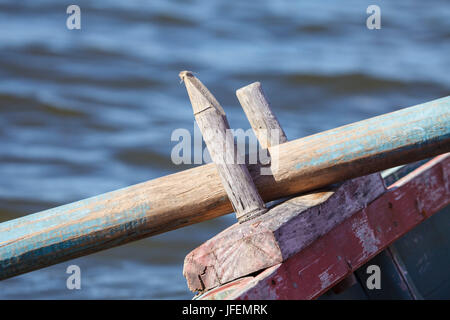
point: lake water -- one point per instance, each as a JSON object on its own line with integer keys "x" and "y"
{"x": 83, "y": 112}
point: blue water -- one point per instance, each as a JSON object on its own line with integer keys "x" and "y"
{"x": 88, "y": 111}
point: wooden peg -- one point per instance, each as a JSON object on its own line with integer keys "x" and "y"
{"x": 213, "y": 124}
{"x": 257, "y": 109}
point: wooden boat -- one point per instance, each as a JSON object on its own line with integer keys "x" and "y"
{"x": 413, "y": 264}
{"x": 358, "y": 213}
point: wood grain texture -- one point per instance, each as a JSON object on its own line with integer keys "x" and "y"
{"x": 257, "y": 109}
{"x": 212, "y": 122}
{"x": 196, "y": 195}
{"x": 283, "y": 231}
{"x": 331, "y": 258}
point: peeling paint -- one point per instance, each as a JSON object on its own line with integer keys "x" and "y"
{"x": 326, "y": 279}
{"x": 366, "y": 236}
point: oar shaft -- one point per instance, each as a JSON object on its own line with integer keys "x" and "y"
{"x": 195, "y": 195}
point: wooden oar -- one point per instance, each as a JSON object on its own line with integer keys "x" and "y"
{"x": 77, "y": 229}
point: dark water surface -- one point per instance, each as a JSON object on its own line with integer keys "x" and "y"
{"x": 89, "y": 111}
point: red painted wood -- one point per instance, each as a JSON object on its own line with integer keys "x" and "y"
{"x": 331, "y": 258}
{"x": 246, "y": 248}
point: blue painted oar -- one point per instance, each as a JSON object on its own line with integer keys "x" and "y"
{"x": 195, "y": 195}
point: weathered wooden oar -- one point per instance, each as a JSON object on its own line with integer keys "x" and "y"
{"x": 195, "y": 195}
